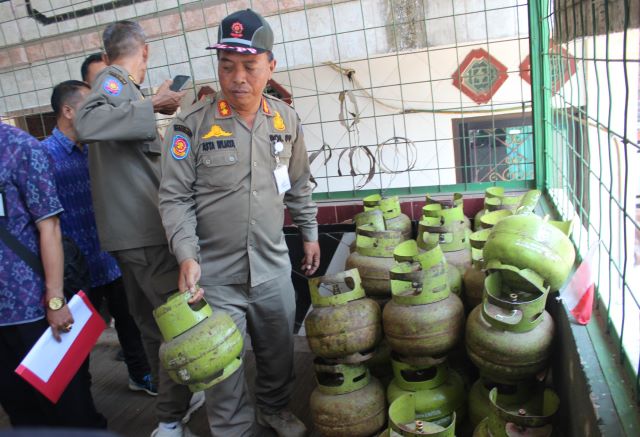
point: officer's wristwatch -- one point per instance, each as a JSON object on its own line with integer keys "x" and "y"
{"x": 55, "y": 303}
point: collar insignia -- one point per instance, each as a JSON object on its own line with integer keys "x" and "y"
{"x": 216, "y": 131}
{"x": 278, "y": 122}
{"x": 223, "y": 108}
{"x": 265, "y": 107}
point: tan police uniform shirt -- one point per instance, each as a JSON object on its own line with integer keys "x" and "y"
{"x": 218, "y": 196}
{"x": 124, "y": 162}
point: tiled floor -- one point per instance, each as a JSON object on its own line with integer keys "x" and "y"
{"x": 130, "y": 414}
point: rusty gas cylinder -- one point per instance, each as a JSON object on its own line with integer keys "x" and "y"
{"x": 451, "y": 234}
{"x": 452, "y": 208}
{"x": 347, "y": 401}
{"x": 474, "y": 277}
{"x": 344, "y": 324}
{"x": 536, "y": 421}
{"x": 424, "y": 320}
{"x": 509, "y": 336}
{"x": 495, "y": 199}
{"x": 373, "y": 256}
{"x": 201, "y": 347}
{"x": 511, "y": 397}
{"x": 439, "y": 389}
{"x": 407, "y": 418}
{"x": 394, "y": 219}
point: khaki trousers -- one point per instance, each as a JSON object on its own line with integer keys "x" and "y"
{"x": 267, "y": 314}
{"x": 150, "y": 275}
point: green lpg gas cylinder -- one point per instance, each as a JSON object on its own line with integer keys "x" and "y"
{"x": 536, "y": 421}
{"x": 394, "y": 219}
{"x": 380, "y": 362}
{"x": 424, "y": 320}
{"x": 344, "y": 324}
{"x": 406, "y": 418}
{"x": 531, "y": 244}
{"x": 452, "y": 209}
{"x": 495, "y": 200}
{"x": 511, "y": 397}
{"x": 509, "y": 336}
{"x": 201, "y": 348}
{"x": 373, "y": 256}
{"x": 438, "y": 389}
{"x": 451, "y": 235}
{"x": 474, "y": 277}
{"x": 347, "y": 401}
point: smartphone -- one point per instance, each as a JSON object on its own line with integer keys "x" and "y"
{"x": 179, "y": 82}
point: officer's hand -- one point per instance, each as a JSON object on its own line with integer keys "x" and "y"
{"x": 166, "y": 101}
{"x": 188, "y": 279}
{"x": 60, "y": 321}
{"x": 311, "y": 260}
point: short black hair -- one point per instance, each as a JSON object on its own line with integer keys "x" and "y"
{"x": 122, "y": 38}
{"x": 64, "y": 93}
{"x": 84, "y": 69}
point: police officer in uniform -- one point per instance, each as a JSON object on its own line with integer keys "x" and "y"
{"x": 231, "y": 163}
{"x": 124, "y": 165}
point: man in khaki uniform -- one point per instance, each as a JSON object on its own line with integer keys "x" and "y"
{"x": 230, "y": 165}
{"x": 124, "y": 166}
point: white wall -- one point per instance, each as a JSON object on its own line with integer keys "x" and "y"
{"x": 309, "y": 34}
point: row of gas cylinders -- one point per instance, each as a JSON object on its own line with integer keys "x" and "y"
{"x": 508, "y": 335}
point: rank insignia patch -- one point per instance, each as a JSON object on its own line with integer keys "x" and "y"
{"x": 278, "y": 122}
{"x": 265, "y": 107}
{"x": 223, "y": 108}
{"x": 180, "y": 147}
{"x": 216, "y": 131}
{"x": 112, "y": 86}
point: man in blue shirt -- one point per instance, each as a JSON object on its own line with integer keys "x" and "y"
{"x": 29, "y": 302}
{"x": 78, "y": 222}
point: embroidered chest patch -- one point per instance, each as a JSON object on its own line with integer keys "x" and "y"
{"x": 216, "y": 131}
{"x": 180, "y": 147}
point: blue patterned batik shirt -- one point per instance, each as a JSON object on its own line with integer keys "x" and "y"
{"x": 29, "y": 191}
{"x": 71, "y": 168}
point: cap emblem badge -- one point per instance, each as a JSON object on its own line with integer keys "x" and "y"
{"x": 236, "y": 29}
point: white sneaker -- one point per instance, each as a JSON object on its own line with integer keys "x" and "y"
{"x": 178, "y": 431}
{"x": 197, "y": 400}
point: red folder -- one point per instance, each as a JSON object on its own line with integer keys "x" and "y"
{"x": 49, "y": 365}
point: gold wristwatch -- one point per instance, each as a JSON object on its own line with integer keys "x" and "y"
{"x": 55, "y": 303}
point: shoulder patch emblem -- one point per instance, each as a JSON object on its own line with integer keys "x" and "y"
{"x": 180, "y": 147}
{"x": 223, "y": 108}
{"x": 112, "y": 86}
{"x": 278, "y": 122}
{"x": 216, "y": 131}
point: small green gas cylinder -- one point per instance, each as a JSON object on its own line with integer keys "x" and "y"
{"x": 347, "y": 401}
{"x": 201, "y": 348}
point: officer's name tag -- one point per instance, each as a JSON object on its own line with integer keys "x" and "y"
{"x": 281, "y": 174}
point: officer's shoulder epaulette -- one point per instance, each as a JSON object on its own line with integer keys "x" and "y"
{"x": 114, "y": 72}
{"x": 278, "y": 103}
{"x": 197, "y": 106}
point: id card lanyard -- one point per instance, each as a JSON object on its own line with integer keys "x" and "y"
{"x": 281, "y": 172}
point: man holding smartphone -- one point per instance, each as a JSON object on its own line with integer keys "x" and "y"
{"x": 124, "y": 165}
